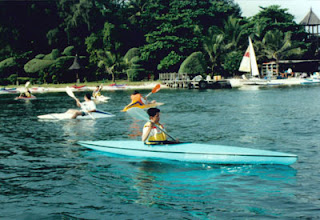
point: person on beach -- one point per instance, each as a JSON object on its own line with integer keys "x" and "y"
{"x": 86, "y": 107}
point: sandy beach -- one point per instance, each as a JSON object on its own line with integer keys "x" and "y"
{"x": 41, "y": 88}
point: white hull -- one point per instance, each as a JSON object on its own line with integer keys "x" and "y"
{"x": 237, "y": 83}
{"x": 68, "y": 116}
{"x": 101, "y": 98}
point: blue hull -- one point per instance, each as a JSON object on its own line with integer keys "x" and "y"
{"x": 192, "y": 152}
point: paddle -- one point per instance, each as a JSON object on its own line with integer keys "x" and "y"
{"x": 71, "y": 94}
{"x": 138, "y": 113}
{"x": 154, "y": 90}
{"x": 100, "y": 87}
{"x": 25, "y": 86}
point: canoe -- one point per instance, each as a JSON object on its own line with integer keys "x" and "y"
{"x": 66, "y": 116}
{"x": 192, "y": 152}
{"x": 26, "y": 98}
{"x": 139, "y": 105}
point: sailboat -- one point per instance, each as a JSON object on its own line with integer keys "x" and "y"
{"x": 249, "y": 65}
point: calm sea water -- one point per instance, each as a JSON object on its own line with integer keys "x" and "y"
{"x": 45, "y": 174}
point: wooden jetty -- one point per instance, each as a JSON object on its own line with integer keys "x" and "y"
{"x": 182, "y": 80}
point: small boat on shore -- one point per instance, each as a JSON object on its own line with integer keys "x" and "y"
{"x": 79, "y": 88}
{"x": 118, "y": 86}
{"x": 192, "y": 152}
{"x": 39, "y": 89}
{"x": 8, "y": 91}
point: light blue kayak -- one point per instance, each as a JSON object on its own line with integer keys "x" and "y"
{"x": 192, "y": 152}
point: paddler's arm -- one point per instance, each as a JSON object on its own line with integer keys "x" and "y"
{"x": 146, "y": 131}
{"x": 78, "y": 103}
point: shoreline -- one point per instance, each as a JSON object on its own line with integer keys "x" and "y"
{"x": 43, "y": 89}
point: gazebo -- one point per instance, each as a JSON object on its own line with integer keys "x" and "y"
{"x": 311, "y": 23}
{"x": 76, "y": 66}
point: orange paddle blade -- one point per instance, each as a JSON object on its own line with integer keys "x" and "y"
{"x": 156, "y": 88}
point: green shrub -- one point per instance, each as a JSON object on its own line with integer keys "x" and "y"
{"x": 35, "y": 65}
{"x": 68, "y": 51}
{"x": 13, "y": 78}
{"x": 136, "y": 72}
{"x": 194, "y": 64}
{"x": 40, "y": 56}
{"x": 8, "y": 67}
{"x": 53, "y": 55}
{"x": 60, "y": 68}
{"x": 232, "y": 62}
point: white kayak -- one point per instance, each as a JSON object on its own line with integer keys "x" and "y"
{"x": 101, "y": 98}
{"x": 192, "y": 152}
{"x": 65, "y": 116}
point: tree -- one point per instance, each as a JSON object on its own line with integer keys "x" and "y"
{"x": 194, "y": 64}
{"x": 278, "y": 45}
{"x": 109, "y": 61}
{"x": 175, "y": 36}
{"x": 214, "y": 46}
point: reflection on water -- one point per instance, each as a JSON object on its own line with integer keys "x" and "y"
{"x": 182, "y": 185}
{"x": 135, "y": 131}
{"x": 78, "y": 128}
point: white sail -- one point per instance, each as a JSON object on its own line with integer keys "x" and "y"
{"x": 249, "y": 62}
{"x": 245, "y": 62}
{"x": 253, "y": 60}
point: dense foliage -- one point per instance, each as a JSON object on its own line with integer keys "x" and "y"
{"x": 138, "y": 39}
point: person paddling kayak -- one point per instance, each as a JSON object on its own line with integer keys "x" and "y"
{"x": 136, "y": 97}
{"x": 153, "y": 132}
{"x": 26, "y": 94}
{"x": 96, "y": 92}
{"x": 86, "y": 107}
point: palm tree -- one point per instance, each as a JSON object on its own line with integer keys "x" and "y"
{"x": 109, "y": 61}
{"x": 220, "y": 42}
{"x": 214, "y": 46}
{"x": 233, "y": 32}
{"x": 277, "y": 45}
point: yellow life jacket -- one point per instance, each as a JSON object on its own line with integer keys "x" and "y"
{"x": 155, "y": 134}
{"x": 96, "y": 94}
